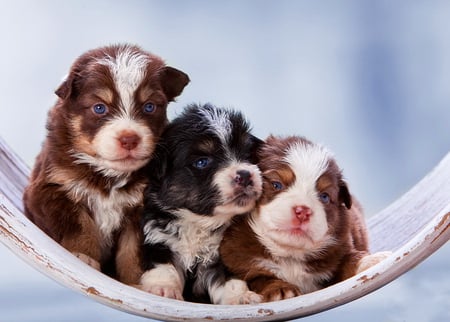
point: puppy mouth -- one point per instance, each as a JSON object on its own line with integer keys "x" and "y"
{"x": 244, "y": 197}
{"x": 126, "y": 163}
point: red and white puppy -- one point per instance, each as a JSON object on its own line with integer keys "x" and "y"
{"x": 306, "y": 233}
{"x": 86, "y": 189}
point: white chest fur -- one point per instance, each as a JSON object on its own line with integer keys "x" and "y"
{"x": 194, "y": 238}
{"x": 294, "y": 272}
{"x": 107, "y": 210}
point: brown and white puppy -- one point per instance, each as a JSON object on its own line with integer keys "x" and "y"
{"x": 86, "y": 189}
{"x": 306, "y": 233}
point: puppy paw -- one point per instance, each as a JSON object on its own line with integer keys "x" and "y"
{"x": 88, "y": 260}
{"x": 235, "y": 292}
{"x": 371, "y": 260}
{"x": 247, "y": 297}
{"x": 164, "y": 291}
{"x": 163, "y": 280}
{"x": 279, "y": 290}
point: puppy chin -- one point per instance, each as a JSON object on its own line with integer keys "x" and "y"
{"x": 275, "y": 228}
{"x": 242, "y": 206}
{"x": 128, "y": 164}
{"x": 111, "y": 168}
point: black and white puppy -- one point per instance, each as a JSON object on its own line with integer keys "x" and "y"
{"x": 202, "y": 175}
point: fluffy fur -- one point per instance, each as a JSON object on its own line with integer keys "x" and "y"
{"x": 307, "y": 231}
{"x": 86, "y": 188}
{"x": 201, "y": 177}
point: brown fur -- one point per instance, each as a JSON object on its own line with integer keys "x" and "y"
{"x": 242, "y": 251}
{"x": 61, "y": 191}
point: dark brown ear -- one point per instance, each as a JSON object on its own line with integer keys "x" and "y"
{"x": 63, "y": 91}
{"x": 173, "y": 82}
{"x": 344, "y": 195}
{"x": 66, "y": 88}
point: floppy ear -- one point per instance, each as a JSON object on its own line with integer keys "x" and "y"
{"x": 173, "y": 82}
{"x": 67, "y": 87}
{"x": 64, "y": 90}
{"x": 344, "y": 195}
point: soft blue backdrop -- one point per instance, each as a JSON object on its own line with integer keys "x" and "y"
{"x": 369, "y": 79}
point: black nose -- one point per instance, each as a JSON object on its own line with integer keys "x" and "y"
{"x": 243, "y": 178}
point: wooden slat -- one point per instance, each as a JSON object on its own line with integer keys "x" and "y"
{"x": 414, "y": 227}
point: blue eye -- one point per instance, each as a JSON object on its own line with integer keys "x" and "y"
{"x": 149, "y": 107}
{"x": 324, "y": 197}
{"x": 99, "y": 109}
{"x": 277, "y": 185}
{"x": 201, "y": 163}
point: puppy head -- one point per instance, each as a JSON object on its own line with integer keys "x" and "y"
{"x": 112, "y": 107}
{"x": 304, "y": 196}
{"x": 204, "y": 163}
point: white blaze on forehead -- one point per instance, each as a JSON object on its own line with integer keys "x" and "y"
{"x": 219, "y": 120}
{"x": 308, "y": 160}
{"x": 128, "y": 70}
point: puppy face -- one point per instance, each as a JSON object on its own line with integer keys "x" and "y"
{"x": 304, "y": 196}
{"x": 113, "y": 105}
{"x": 204, "y": 164}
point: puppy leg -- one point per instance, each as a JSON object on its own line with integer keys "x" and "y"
{"x": 85, "y": 242}
{"x": 371, "y": 260}
{"x": 163, "y": 280}
{"x": 128, "y": 255}
{"x": 234, "y": 291}
{"x": 273, "y": 288}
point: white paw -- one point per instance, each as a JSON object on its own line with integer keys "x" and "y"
{"x": 163, "y": 280}
{"x": 371, "y": 260}
{"x": 88, "y": 260}
{"x": 235, "y": 292}
{"x": 164, "y": 290}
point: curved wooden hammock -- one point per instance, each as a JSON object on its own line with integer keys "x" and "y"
{"x": 413, "y": 227}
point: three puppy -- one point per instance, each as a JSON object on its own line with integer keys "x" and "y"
{"x": 211, "y": 223}
{"x": 86, "y": 188}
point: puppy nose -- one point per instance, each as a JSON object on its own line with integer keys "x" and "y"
{"x": 302, "y": 212}
{"x": 243, "y": 178}
{"x": 129, "y": 141}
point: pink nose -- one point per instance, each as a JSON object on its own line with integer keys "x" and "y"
{"x": 129, "y": 141}
{"x": 302, "y": 212}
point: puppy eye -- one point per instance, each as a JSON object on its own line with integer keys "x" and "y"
{"x": 201, "y": 163}
{"x": 324, "y": 197}
{"x": 100, "y": 109}
{"x": 277, "y": 185}
{"x": 149, "y": 107}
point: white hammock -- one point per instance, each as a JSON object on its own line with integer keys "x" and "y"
{"x": 413, "y": 227}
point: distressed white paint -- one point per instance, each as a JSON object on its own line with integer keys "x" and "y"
{"x": 414, "y": 227}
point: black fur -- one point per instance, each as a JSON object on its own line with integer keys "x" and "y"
{"x": 178, "y": 180}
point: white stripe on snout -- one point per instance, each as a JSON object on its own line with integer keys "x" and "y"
{"x": 219, "y": 120}
{"x": 128, "y": 70}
